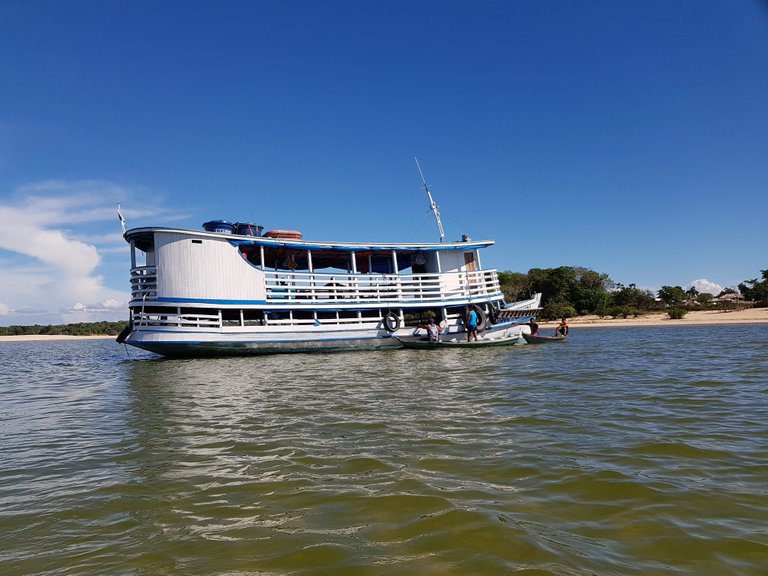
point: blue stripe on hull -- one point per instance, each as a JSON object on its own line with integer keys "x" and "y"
{"x": 191, "y": 348}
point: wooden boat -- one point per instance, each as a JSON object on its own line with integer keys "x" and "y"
{"x": 530, "y": 339}
{"x": 424, "y": 344}
{"x": 228, "y": 289}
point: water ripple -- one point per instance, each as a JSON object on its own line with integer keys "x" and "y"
{"x": 624, "y": 451}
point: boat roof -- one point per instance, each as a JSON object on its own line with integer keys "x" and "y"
{"x": 144, "y": 237}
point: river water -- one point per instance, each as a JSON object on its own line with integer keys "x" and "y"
{"x": 624, "y": 451}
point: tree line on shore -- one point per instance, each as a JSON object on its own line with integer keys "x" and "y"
{"x": 569, "y": 291}
{"x": 78, "y": 329}
{"x": 566, "y": 291}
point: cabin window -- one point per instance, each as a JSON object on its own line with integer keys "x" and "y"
{"x": 156, "y": 310}
{"x": 199, "y": 311}
{"x": 253, "y": 317}
{"x": 419, "y": 263}
{"x": 230, "y": 317}
{"x": 197, "y": 241}
{"x": 422, "y": 316}
{"x": 381, "y": 265}
{"x": 277, "y": 258}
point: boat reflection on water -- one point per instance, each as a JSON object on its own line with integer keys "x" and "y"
{"x": 282, "y": 452}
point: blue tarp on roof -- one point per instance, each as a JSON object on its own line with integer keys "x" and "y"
{"x": 361, "y": 248}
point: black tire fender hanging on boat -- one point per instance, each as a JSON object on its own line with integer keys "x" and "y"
{"x": 493, "y": 315}
{"x": 124, "y": 333}
{"x": 391, "y": 322}
{"x": 482, "y": 319}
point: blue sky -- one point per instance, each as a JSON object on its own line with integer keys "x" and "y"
{"x": 627, "y": 137}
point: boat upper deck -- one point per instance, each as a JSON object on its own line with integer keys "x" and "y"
{"x": 234, "y": 270}
{"x": 144, "y": 239}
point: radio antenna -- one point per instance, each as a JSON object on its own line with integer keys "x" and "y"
{"x": 121, "y": 218}
{"x": 432, "y": 204}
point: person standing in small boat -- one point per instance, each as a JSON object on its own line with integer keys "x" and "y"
{"x": 433, "y": 330}
{"x": 470, "y": 322}
{"x": 562, "y": 329}
{"x": 534, "y": 327}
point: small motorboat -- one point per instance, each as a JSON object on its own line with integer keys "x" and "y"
{"x": 425, "y": 344}
{"x": 531, "y": 339}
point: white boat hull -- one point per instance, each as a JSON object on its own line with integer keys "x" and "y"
{"x": 215, "y": 343}
{"x": 259, "y": 340}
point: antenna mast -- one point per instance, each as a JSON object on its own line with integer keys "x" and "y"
{"x": 432, "y": 204}
{"x": 121, "y": 218}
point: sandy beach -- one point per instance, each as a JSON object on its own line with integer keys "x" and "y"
{"x": 44, "y": 337}
{"x": 713, "y": 317}
{"x": 698, "y": 318}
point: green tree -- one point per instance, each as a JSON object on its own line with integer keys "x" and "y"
{"x": 79, "y": 329}
{"x": 515, "y": 285}
{"x": 676, "y": 313}
{"x": 632, "y": 297}
{"x": 705, "y": 298}
{"x": 581, "y": 289}
{"x": 589, "y": 294}
{"x": 555, "y": 310}
{"x": 553, "y": 283}
{"x": 755, "y": 289}
{"x": 672, "y": 295}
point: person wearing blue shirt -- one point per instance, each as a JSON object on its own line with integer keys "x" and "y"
{"x": 470, "y": 323}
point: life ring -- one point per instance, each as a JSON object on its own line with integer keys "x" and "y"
{"x": 482, "y": 319}
{"x": 391, "y": 322}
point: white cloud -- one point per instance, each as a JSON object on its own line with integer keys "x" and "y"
{"x": 54, "y": 237}
{"x": 111, "y": 304}
{"x": 706, "y": 286}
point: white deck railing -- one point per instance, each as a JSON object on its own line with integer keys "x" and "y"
{"x": 315, "y": 288}
{"x": 143, "y": 320}
{"x": 143, "y": 283}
